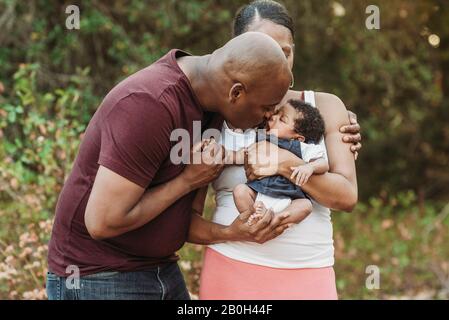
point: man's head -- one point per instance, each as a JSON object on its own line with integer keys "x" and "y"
{"x": 251, "y": 76}
{"x": 297, "y": 120}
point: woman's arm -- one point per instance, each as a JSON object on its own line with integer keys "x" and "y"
{"x": 336, "y": 189}
{"x": 302, "y": 173}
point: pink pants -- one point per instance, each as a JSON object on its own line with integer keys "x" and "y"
{"x": 223, "y": 278}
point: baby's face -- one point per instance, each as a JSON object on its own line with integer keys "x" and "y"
{"x": 282, "y": 123}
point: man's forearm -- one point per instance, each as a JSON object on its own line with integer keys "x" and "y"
{"x": 152, "y": 203}
{"x": 206, "y": 232}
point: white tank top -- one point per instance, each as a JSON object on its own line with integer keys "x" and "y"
{"x": 308, "y": 244}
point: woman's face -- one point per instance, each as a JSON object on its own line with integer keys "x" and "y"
{"x": 280, "y": 34}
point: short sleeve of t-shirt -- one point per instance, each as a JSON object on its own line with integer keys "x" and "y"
{"x": 312, "y": 151}
{"x": 135, "y": 138}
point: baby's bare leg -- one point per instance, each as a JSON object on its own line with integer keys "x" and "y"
{"x": 297, "y": 211}
{"x": 244, "y": 198}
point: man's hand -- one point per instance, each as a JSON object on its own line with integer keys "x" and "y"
{"x": 352, "y": 134}
{"x": 268, "y": 227}
{"x": 301, "y": 174}
{"x": 206, "y": 164}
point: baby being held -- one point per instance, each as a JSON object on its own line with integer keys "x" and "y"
{"x": 297, "y": 127}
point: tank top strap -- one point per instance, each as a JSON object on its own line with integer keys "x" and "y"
{"x": 309, "y": 97}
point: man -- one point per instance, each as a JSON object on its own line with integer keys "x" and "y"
{"x": 126, "y": 208}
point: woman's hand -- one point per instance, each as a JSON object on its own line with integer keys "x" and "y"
{"x": 352, "y": 134}
{"x": 206, "y": 164}
{"x": 268, "y": 227}
{"x": 261, "y": 160}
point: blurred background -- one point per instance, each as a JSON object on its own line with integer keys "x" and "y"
{"x": 395, "y": 79}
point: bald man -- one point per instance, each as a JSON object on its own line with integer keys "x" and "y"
{"x": 126, "y": 207}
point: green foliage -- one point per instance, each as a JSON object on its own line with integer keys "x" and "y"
{"x": 407, "y": 242}
{"x": 40, "y": 133}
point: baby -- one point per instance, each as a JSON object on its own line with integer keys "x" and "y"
{"x": 297, "y": 127}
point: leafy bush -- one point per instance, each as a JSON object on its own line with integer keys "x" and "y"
{"x": 40, "y": 133}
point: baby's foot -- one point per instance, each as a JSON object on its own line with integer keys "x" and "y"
{"x": 259, "y": 213}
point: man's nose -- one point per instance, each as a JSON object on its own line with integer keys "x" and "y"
{"x": 269, "y": 114}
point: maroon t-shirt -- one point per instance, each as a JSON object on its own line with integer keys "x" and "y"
{"x": 130, "y": 135}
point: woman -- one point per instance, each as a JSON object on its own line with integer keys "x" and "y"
{"x": 299, "y": 263}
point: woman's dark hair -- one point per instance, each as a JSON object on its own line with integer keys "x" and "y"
{"x": 310, "y": 123}
{"x": 265, "y": 9}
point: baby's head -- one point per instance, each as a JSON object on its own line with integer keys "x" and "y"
{"x": 297, "y": 120}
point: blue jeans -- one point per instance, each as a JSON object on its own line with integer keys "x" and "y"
{"x": 162, "y": 283}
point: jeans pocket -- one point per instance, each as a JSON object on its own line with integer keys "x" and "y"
{"x": 53, "y": 286}
{"x": 52, "y": 276}
{"x": 173, "y": 281}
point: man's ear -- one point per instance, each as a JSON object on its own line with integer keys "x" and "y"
{"x": 236, "y": 92}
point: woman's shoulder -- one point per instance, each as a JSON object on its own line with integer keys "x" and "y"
{"x": 329, "y": 104}
{"x": 328, "y": 98}
{"x": 332, "y": 109}
{"x": 324, "y": 96}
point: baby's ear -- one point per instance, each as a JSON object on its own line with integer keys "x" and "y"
{"x": 300, "y": 137}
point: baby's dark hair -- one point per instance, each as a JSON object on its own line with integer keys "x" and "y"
{"x": 310, "y": 123}
{"x": 266, "y": 10}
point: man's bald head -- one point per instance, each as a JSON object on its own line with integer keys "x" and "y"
{"x": 250, "y": 76}
{"x": 255, "y": 60}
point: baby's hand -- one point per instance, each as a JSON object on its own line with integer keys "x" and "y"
{"x": 302, "y": 174}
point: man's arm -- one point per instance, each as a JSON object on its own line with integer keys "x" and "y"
{"x": 203, "y": 231}
{"x": 207, "y": 232}
{"x": 117, "y": 205}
